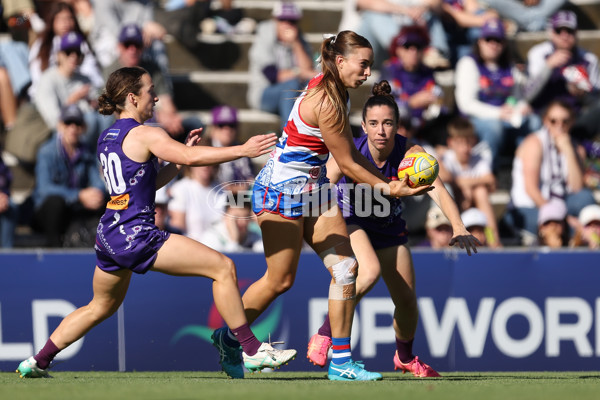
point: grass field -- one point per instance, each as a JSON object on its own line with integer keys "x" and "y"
{"x": 300, "y": 385}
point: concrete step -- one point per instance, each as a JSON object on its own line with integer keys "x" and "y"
{"x": 230, "y": 52}
{"x": 202, "y": 90}
{"x": 221, "y": 52}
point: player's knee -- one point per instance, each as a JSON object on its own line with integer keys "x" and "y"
{"x": 227, "y": 270}
{"x": 99, "y": 311}
{"x": 343, "y": 285}
{"x": 405, "y": 298}
{"x": 281, "y": 285}
{"x": 345, "y": 271}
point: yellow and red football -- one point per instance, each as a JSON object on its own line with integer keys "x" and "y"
{"x": 422, "y": 169}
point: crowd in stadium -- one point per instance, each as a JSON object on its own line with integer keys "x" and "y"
{"x": 523, "y": 124}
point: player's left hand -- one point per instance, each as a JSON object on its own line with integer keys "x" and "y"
{"x": 193, "y": 137}
{"x": 465, "y": 241}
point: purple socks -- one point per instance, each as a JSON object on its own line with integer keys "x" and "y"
{"x": 46, "y": 354}
{"x": 325, "y": 329}
{"x": 249, "y": 342}
{"x": 404, "y": 348}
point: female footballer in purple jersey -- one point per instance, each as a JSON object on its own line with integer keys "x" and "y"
{"x": 379, "y": 242}
{"x": 127, "y": 239}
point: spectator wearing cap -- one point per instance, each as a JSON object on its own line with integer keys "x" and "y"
{"x": 131, "y": 53}
{"x": 69, "y": 192}
{"x": 438, "y": 229}
{"x": 476, "y": 223}
{"x": 553, "y": 230}
{"x": 588, "y": 232}
{"x": 489, "y": 91}
{"x": 560, "y": 68}
{"x": 63, "y": 85}
{"x": 280, "y": 62}
{"x": 43, "y": 53}
{"x": 224, "y": 132}
{"x": 413, "y": 83}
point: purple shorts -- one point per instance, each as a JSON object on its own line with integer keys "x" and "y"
{"x": 381, "y": 239}
{"x": 139, "y": 258}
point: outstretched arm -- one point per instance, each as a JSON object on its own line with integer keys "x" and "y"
{"x": 460, "y": 234}
{"x": 143, "y": 141}
{"x": 440, "y": 195}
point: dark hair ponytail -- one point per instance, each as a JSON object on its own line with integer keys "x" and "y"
{"x": 119, "y": 84}
{"x": 332, "y": 86}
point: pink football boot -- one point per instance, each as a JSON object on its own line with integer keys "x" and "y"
{"x": 416, "y": 367}
{"x": 318, "y": 348}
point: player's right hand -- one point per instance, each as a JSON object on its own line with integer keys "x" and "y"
{"x": 400, "y": 188}
{"x": 259, "y": 145}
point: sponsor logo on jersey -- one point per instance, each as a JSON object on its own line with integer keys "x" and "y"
{"x": 112, "y": 134}
{"x": 120, "y": 202}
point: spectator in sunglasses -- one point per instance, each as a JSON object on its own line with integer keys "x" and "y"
{"x": 69, "y": 189}
{"x": 547, "y": 165}
{"x": 560, "y": 68}
{"x": 63, "y": 85}
{"x": 489, "y": 91}
{"x": 132, "y": 53}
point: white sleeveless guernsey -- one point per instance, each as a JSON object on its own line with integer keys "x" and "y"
{"x": 553, "y": 174}
{"x": 297, "y": 165}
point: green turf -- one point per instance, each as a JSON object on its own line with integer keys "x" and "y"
{"x": 300, "y": 385}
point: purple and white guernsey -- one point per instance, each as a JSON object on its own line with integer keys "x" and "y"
{"x": 495, "y": 86}
{"x": 128, "y": 222}
{"x": 381, "y": 218}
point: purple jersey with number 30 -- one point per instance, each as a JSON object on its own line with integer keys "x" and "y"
{"x": 129, "y": 215}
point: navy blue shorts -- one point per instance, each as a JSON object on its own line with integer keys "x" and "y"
{"x": 139, "y": 258}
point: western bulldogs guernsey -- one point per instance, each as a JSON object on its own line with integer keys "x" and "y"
{"x": 384, "y": 230}
{"x": 296, "y": 167}
{"x": 128, "y": 220}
